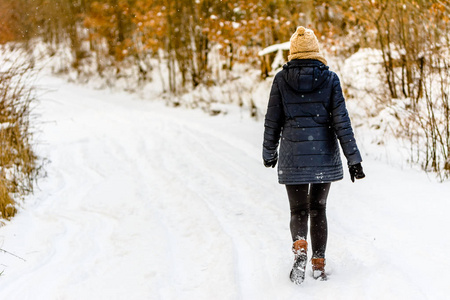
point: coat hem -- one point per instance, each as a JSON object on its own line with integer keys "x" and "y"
{"x": 293, "y": 182}
{"x": 310, "y": 175}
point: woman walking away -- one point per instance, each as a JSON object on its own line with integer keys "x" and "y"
{"x": 307, "y": 109}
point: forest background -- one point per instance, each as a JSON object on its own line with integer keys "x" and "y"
{"x": 199, "y": 44}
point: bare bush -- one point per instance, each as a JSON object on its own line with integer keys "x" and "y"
{"x": 18, "y": 162}
{"x": 414, "y": 39}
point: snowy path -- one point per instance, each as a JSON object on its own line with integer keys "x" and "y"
{"x": 148, "y": 202}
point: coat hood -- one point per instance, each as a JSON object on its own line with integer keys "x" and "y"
{"x": 305, "y": 75}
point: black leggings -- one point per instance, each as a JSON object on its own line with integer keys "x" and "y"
{"x": 309, "y": 200}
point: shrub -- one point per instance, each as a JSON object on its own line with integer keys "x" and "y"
{"x": 18, "y": 162}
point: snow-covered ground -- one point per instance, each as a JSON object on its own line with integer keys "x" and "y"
{"x": 143, "y": 201}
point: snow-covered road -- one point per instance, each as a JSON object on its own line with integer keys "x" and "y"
{"x": 143, "y": 201}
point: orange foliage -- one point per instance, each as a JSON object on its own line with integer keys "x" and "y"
{"x": 8, "y": 22}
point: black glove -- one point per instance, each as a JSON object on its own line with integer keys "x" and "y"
{"x": 356, "y": 171}
{"x": 271, "y": 163}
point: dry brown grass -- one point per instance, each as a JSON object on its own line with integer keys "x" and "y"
{"x": 18, "y": 163}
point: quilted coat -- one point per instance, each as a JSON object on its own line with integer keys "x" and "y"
{"x": 307, "y": 112}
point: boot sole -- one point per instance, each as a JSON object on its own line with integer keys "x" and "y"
{"x": 297, "y": 275}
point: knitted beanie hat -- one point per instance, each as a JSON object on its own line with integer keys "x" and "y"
{"x": 304, "y": 45}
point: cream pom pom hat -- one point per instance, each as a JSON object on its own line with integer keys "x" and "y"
{"x": 304, "y": 45}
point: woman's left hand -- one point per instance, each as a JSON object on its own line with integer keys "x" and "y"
{"x": 356, "y": 171}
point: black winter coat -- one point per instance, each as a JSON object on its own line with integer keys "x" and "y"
{"x": 307, "y": 110}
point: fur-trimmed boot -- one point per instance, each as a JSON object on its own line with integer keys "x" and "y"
{"x": 298, "y": 270}
{"x": 318, "y": 266}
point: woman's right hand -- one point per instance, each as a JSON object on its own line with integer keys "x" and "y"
{"x": 271, "y": 163}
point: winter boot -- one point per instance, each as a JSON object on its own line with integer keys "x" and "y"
{"x": 298, "y": 270}
{"x": 318, "y": 266}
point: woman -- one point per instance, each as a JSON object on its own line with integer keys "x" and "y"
{"x": 307, "y": 110}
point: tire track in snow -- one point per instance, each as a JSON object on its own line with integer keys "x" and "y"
{"x": 91, "y": 220}
{"x": 188, "y": 216}
{"x": 230, "y": 194}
